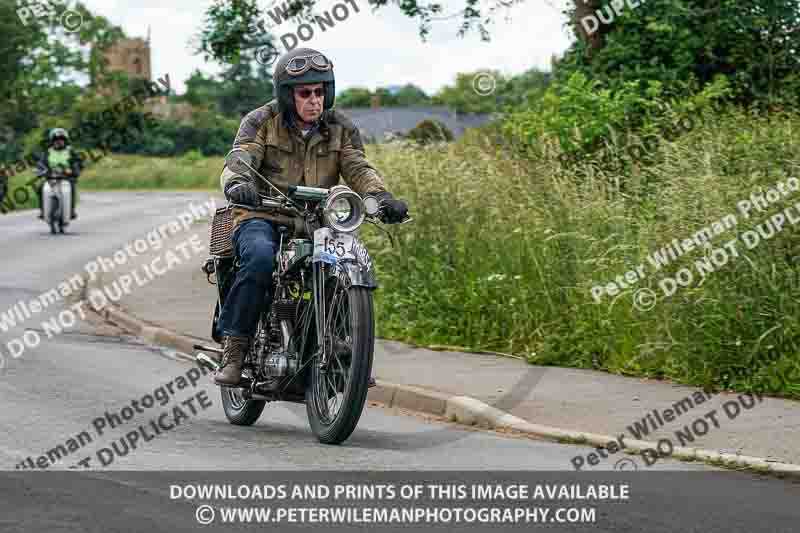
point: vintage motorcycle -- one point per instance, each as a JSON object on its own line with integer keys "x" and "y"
{"x": 56, "y": 199}
{"x": 315, "y": 345}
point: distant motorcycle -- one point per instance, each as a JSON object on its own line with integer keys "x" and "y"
{"x": 56, "y": 199}
{"x": 315, "y": 345}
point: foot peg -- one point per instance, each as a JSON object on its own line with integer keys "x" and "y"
{"x": 205, "y": 360}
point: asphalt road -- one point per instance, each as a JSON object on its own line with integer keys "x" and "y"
{"x": 68, "y": 391}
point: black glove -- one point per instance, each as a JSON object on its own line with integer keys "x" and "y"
{"x": 242, "y": 192}
{"x": 394, "y": 210}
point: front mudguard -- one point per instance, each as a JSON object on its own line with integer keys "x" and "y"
{"x": 357, "y": 273}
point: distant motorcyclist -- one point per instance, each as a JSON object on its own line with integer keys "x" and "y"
{"x": 60, "y": 160}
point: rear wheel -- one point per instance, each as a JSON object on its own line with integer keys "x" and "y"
{"x": 336, "y": 394}
{"x": 238, "y": 410}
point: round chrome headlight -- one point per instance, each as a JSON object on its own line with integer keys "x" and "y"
{"x": 344, "y": 210}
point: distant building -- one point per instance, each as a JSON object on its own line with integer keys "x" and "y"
{"x": 377, "y": 124}
{"x": 131, "y": 56}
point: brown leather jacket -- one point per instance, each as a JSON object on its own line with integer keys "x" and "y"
{"x": 281, "y": 154}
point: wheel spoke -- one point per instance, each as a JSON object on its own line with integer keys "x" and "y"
{"x": 237, "y": 401}
{"x": 334, "y": 382}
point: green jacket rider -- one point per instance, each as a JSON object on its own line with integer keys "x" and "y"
{"x": 61, "y": 159}
{"x": 296, "y": 139}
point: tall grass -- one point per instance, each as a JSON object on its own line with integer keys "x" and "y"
{"x": 191, "y": 171}
{"x": 503, "y": 255}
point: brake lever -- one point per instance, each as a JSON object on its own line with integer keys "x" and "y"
{"x": 386, "y": 231}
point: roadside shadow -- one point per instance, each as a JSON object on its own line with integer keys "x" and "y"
{"x": 451, "y": 432}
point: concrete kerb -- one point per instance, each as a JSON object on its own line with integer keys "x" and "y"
{"x": 463, "y": 410}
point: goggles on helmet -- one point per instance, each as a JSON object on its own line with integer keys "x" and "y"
{"x": 302, "y": 64}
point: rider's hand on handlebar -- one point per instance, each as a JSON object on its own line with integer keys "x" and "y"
{"x": 242, "y": 192}
{"x": 393, "y": 210}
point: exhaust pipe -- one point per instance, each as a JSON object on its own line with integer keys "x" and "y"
{"x": 207, "y": 361}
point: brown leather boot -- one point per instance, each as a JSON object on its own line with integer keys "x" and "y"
{"x": 232, "y": 357}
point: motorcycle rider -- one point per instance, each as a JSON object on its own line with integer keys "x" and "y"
{"x": 295, "y": 139}
{"x": 61, "y": 159}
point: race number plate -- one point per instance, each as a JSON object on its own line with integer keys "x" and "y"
{"x": 329, "y": 245}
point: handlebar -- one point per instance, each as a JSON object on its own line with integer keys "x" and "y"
{"x": 52, "y": 174}
{"x": 278, "y": 207}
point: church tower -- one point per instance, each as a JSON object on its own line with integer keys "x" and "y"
{"x": 131, "y": 56}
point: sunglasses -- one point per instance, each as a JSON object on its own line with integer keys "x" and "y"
{"x": 305, "y": 94}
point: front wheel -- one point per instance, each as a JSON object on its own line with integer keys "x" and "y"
{"x": 55, "y": 215}
{"x": 336, "y": 394}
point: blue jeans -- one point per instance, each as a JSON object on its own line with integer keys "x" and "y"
{"x": 255, "y": 243}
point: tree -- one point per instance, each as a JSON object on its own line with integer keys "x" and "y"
{"x": 245, "y": 88}
{"x": 238, "y": 92}
{"x": 473, "y": 92}
{"x": 233, "y": 30}
{"x": 386, "y": 98}
{"x": 406, "y": 96}
{"x": 17, "y": 113}
{"x": 40, "y": 61}
{"x": 411, "y": 95}
{"x": 202, "y": 90}
{"x": 754, "y": 44}
{"x": 523, "y": 89}
{"x": 354, "y": 97}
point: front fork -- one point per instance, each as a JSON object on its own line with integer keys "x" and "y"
{"x": 319, "y": 308}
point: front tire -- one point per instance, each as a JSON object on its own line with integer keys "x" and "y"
{"x": 346, "y": 381}
{"x": 55, "y": 215}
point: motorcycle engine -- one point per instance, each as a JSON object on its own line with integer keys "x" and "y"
{"x": 277, "y": 360}
{"x": 280, "y": 364}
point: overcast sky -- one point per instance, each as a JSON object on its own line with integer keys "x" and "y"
{"x": 367, "y": 49}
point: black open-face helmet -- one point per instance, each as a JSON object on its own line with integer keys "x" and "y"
{"x": 298, "y": 67}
